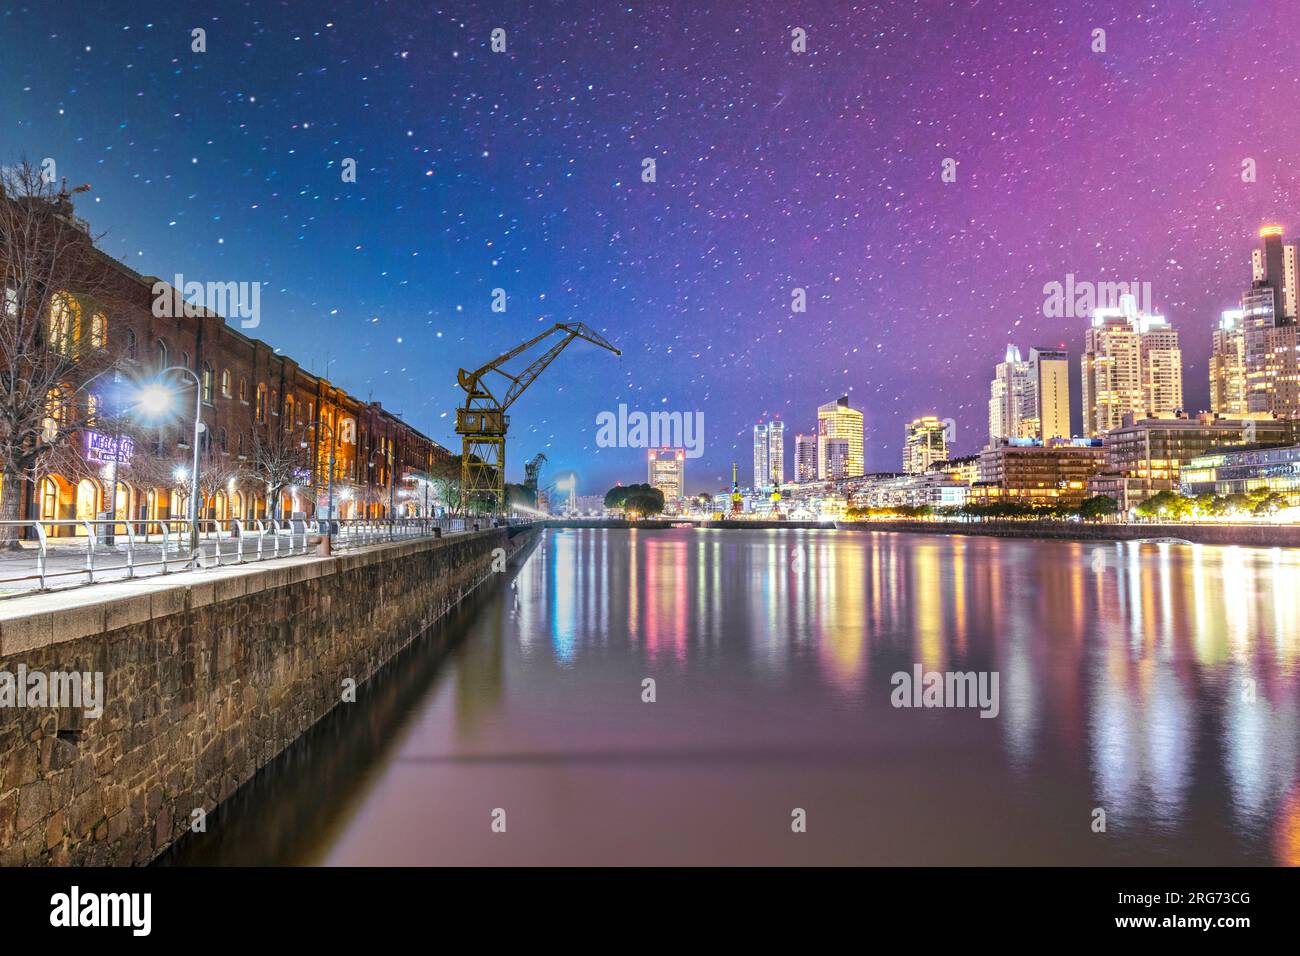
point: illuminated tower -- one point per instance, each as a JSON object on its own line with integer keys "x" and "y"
{"x": 925, "y": 442}
{"x": 836, "y": 422}
{"x": 737, "y": 500}
{"x": 1228, "y": 366}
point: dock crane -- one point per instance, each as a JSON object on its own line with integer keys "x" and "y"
{"x": 482, "y": 421}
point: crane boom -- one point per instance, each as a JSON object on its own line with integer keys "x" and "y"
{"x": 482, "y": 421}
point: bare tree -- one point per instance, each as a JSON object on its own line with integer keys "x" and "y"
{"x": 58, "y": 295}
{"x": 282, "y": 459}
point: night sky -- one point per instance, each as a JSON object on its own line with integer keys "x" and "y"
{"x": 775, "y": 170}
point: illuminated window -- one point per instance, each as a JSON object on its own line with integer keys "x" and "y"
{"x": 207, "y": 382}
{"x": 261, "y": 403}
{"x": 243, "y": 390}
{"x": 98, "y": 330}
{"x": 225, "y": 383}
{"x": 64, "y": 318}
{"x": 288, "y": 412}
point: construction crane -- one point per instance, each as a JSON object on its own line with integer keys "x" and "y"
{"x": 482, "y": 421}
{"x": 533, "y": 471}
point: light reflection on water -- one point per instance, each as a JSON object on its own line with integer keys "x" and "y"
{"x": 1156, "y": 681}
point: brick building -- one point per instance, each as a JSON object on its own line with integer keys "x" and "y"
{"x": 269, "y": 423}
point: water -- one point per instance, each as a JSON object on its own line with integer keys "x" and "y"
{"x": 1156, "y": 682}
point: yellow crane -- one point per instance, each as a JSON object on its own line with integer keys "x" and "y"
{"x": 482, "y": 421}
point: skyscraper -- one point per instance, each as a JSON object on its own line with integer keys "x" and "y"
{"x": 1132, "y": 363}
{"x": 1270, "y": 337}
{"x": 1010, "y": 399}
{"x": 836, "y": 421}
{"x": 1049, "y": 379}
{"x": 769, "y": 454}
{"x": 925, "y": 442}
{"x": 762, "y": 463}
{"x": 1228, "y": 366}
{"x": 805, "y": 457}
{"x": 667, "y": 472}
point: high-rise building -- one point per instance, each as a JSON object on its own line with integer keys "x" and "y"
{"x": 838, "y": 452}
{"x": 925, "y": 443}
{"x": 1132, "y": 364}
{"x": 1228, "y": 366}
{"x": 667, "y": 472}
{"x": 1010, "y": 399}
{"x": 836, "y": 421}
{"x": 1049, "y": 383}
{"x": 1271, "y": 340}
{"x": 769, "y": 454}
{"x": 805, "y": 457}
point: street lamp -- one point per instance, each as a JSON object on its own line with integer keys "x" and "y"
{"x": 157, "y": 399}
{"x": 392, "y": 507}
{"x": 329, "y": 504}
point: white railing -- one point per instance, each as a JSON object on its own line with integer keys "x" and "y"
{"x": 69, "y": 552}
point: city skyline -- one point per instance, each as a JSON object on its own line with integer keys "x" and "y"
{"x": 385, "y": 285}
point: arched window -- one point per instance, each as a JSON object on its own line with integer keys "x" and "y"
{"x": 243, "y": 390}
{"x": 98, "y": 330}
{"x": 130, "y": 344}
{"x": 225, "y": 442}
{"x": 185, "y": 359}
{"x": 225, "y": 383}
{"x": 288, "y": 412}
{"x": 261, "y": 403}
{"x": 162, "y": 353}
{"x": 64, "y": 318}
{"x": 239, "y": 444}
{"x": 207, "y": 382}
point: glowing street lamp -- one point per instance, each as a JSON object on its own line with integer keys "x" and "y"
{"x": 157, "y": 399}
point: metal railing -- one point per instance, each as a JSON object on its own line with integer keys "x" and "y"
{"x": 69, "y": 552}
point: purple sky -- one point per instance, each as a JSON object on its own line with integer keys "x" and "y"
{"x": 775, "y": 170}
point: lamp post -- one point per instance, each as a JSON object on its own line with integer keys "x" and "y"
{"x": 156, "y": 398}
{"x": 329, "y": 501}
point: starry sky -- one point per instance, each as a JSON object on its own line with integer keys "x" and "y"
{"x": 774, "y": 170}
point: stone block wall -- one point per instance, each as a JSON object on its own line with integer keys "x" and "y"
{"x": 207, "y": 677}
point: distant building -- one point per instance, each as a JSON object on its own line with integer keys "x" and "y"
{"x": 769, "y": 454}
{"x": 1271, "y": 340}
{"x": 1030, "y": 473}
{"x": 1232, "y": 472}
{"x": 1049, "y": 382}
{"x": 1228, "y": 366}
{"x": 925, "y": 442}
{"x": 1010, "y": 399}
{"x": 837, "y": 422}
{"x": 805, "y": 457}
{"x": 1030, "y": 399}
{"x": 837, "y": 463}
{"x": 965, "y": 469}
{"x": 667, "y": 472}
{"x": 1132, "y": 364}
{"x": 1145, "y": 457}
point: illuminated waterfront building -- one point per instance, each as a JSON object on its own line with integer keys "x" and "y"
{"x": 805, "y": 457}
{"x": 837, "y": 422}
{"x": 667, "y": 472}
{"x": 1132, "y": 364}
{"x": 1228, "y": 366}
{"x": 1030, "y": 399}
{"x": 1010, "y": 399}
{"x": 837, "y": 459}
{"x": 1231, "y": 472}
{"x": 769, "y": 454}
{"x": 925, "y": 442}
{"x": 965, "y": 469}
{"x": 1029, "y": 473}
{"x": 1049, "y": 383}
{"x": 1270, "y": 337}
{"x": 1145, "y": 457}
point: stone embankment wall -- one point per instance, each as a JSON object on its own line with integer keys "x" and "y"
{"x": 207, "y": 677}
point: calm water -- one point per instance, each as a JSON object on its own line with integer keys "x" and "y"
{"x": 1158, "y": 682}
